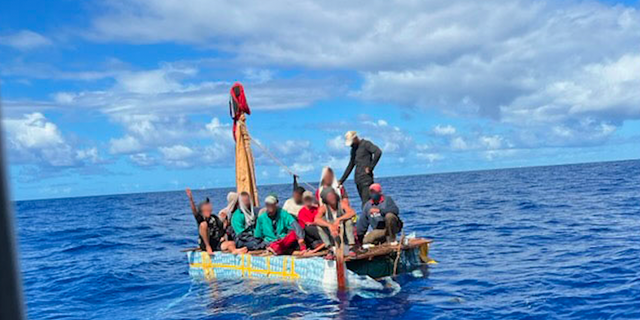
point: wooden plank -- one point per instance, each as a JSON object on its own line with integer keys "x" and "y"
{"x": 387, "y": 249}
{"x": 376, "y": 251}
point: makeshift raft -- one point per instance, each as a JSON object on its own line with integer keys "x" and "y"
{"x": 363, "y": 271}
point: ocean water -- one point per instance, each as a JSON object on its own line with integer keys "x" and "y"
{"x": 558, "y": 242}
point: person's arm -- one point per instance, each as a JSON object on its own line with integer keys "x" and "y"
{"x": 295, "y": 226}
{"x": 258, "y": 232}
{"x": 348, "y": 213}
{"x": 362, "y": 225}
{"x": 376, "y": 152}
{"x": 295, "y": 182}
{"x": 319, "y": 220}
{"x": 390, "y": 206}
{"x": 194, "y": 209}
{"x": 205, "y": 236}
{"x": 347, "y": 171}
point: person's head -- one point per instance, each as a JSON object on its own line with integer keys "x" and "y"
{"x": 232, "y": 201}
{"x": 351, "y": 138}
{"x": 308, "y": 199}
{"x": 375, "y": 192}
{"x": 328, "y": 177}
{"x": 205, "y": 208}
{"x": 271, "y": 203}
{"x": 297, "y": 194}
{"x": 246, "y": 199}
{"x": 330, "y": 197}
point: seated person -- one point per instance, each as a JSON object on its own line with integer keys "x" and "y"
{"x": 306, "y": 219}
{"x": 243, "y": 225}
{"x": 279, "y": 229}
{"x": 225, "y": 213}
{"x": 210, "y": 228}
{"x": 381, "y": 214}
{"x": 333, "y": 214}
{"x": 294, "y": 204}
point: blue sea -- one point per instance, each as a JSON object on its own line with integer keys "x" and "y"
{"x": 559, "y": 242}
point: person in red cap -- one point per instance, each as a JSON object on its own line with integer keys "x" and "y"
{"x": 381, "y": 214}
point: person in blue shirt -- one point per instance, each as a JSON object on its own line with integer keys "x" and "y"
{"x": 381, "y": 214}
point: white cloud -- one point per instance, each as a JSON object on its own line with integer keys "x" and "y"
{"x": 431, "y": 157}
{"x": 33, "y": 131}
{"x": 258, "y": 75}
{"x": 458, "y": 143}
{"x": 126, "y": 144}
{"x": 524, "y": 63}
{"x": 291, "y": 147}
{"x": 174, "y": 89}
{"x": 33, "y": 139}
{"x": 336, "y": 146}
{"x": 444, "y": 130}
{"x": 302, "y": 168}
{"x": 390, "y": 138}
{"x": 142, "y": 159}
{"x": 90, "y": 155}
{"x": 177, "y": 152}
{"x": 24, "y": 40}
{"x": 491, "y": 142}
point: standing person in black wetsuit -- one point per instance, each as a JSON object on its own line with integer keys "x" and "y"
{"x": 364, "y": 156}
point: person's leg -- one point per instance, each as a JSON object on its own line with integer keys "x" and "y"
{"x": 325, "y": 235}
{"x": 392, "y": 226}
{"x": 363, "y": 189}
{"x": 284, "y": 245}
{"x": 227, "y": 246}
{"x": 251, "y": 243}
{"x": 348, "y": 232}
{"x": 375, "y": 236}
{"x": 312, "y": 236}
{"x": 230, "y": 246}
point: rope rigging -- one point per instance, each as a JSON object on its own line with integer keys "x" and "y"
{"x": 277, "y": 161}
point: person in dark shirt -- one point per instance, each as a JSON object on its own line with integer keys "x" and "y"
{"x": 364, "y": 157}
{"x": 381, "y": 214}
{"x": 211, "y": 232}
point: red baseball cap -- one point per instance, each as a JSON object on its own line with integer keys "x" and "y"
{"x": 376, "y": 187}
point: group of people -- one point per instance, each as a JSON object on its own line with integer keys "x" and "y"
{"x": 307, "y": 222}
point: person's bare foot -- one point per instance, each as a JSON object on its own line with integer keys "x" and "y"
{"x": 241, "y": 251}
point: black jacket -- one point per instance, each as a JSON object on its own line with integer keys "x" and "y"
{"x": 364, "y": 154}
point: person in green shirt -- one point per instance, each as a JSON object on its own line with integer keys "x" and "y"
{"x": 279, "y": 228}
{"x": 243, "y": 223}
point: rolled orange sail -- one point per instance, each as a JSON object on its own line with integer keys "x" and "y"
{"x": 245, "y": 166}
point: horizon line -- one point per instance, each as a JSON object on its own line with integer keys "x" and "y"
{"x": 382, "y": 177}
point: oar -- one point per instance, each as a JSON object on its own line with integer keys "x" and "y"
{"x": 340, "y": 266}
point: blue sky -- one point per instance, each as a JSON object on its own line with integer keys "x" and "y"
{"x": 131, "y": 96}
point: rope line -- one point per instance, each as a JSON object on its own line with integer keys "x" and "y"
{"x": 276, "y": 160}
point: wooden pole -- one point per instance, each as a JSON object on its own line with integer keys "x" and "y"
{"x": 398, "y": 253}
{"x": 340, "y": 265}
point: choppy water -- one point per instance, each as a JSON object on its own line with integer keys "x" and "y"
{"x": 548, "y": 243}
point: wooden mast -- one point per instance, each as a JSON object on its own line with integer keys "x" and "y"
{"x": 245, "y": 166}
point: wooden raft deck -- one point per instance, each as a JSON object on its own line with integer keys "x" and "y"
{"x": 371, "y": 253}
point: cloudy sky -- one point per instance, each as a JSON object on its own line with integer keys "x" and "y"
{"x": 131, "y": 96}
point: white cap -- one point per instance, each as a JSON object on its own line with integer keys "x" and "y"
{"x": 307, "y": 194}
{"x": 270, "y": 200}
{"x": 348, "y": 138}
